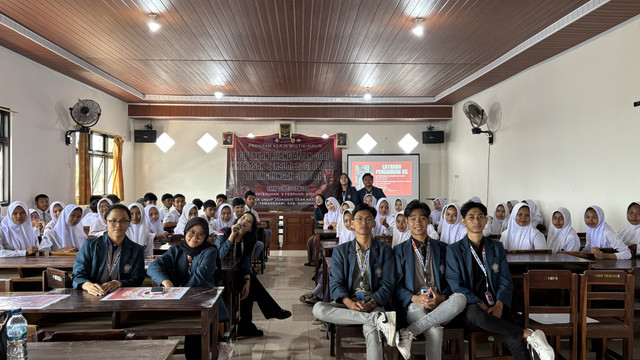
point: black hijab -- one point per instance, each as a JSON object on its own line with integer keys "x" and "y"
{"x": 323, "y": 207}
{"x": 205, "y": 244}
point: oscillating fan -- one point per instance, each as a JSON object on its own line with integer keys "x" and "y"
{"x": 478, "y": 117}
{"x": 85, "y": 113}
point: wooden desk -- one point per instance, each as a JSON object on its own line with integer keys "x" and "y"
{"x": 102, "y": 350}
{"x": 520, "y": 263}
{"x": 143, "y": 317}
{"x": 609, "y": 264}
{"x": 231, "y": 295}
{"x": 322, "y": 235}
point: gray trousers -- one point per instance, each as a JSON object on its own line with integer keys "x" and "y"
{"x": 339, "y": 314}
{"x": 425, "y": 321}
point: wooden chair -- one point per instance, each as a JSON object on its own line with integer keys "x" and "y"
{"x": 557, "y": 285}
{"x": 55, "y": 279}
{"x": 91, "y": 335}
{"x": 452, "y": 344}
{"x": 606, "y": 296}
{"x": 355, "y": 332}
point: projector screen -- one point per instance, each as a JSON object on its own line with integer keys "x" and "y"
{"x": 398, "y": 175}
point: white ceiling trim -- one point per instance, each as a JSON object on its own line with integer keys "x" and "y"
{"x": 292, "y": 99}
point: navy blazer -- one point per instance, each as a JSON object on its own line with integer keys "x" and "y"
{"x": 172, "y": 265}
{"x": 405, "y": 262}
{"x": 376, "y": 192}
{"x": 350, "y": 195}
{"x": 381, "y": 271}
{"x": 91, "y": 258}
{"x": 460, "y": 268}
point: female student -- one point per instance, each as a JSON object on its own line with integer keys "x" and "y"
{"x": 369, "y": 200}
{"x": 16, "y": 234}
{"x": 189, "y": 263}
{"x": 346, "y": 232}
{"x": 38, "y": 227}
{"x": 99, "y": 225}
{"x": 436, "y": 214}
{"x": 189, "y": 211}
{"x": 67, "y": 235}
{"x": 224, "y": 217}
{"x": 55, "y": 209}
{"x": 154, "y": 224}
{"x": 511, "y": 204}
{"x": 243, "y": 235}
{"x": 630, "y": 233}
{"x": 536, "y": 215}
{"x": 345, "y": 191}
{"x": 332, "y": 216}
{"x": 401, "y": 231}
{"x": 600, "y": 235}
{"x": 398, "y": 207}
{"x": 497, "y": 224}
{"x": 451, "y": 224}
{"x": 347, "y": 205}
{"x": 319, "y": 210}
{"x": 383, "y": 218}
{"x": 562, "y": 236}
{"x": 520, "y": 233}
{"x": 138, "y": 231}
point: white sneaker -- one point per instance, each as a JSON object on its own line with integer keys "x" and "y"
{"x": 539, "y": 343}
{"x": 386, "y": 324}
{"x": 225, "y": 351}
{"x": 404, "y": 338}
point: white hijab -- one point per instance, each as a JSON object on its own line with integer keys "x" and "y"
{"x": 373, "y": 199}
{"x": 345, "y": 235}
{"x": 518, "y": 237}
{"x": 154, "y": 227}
{"x": 138, "y": 232}
{"x": 183, "y": 219}
{"x": 452, "y": 233}
{"x": 54, "y": 220}
{"x": 497, "y": 225}
{"x": 596, "y": 237}
{"x": 393, "y": 209}
{"x": 379, "y": 216}
{"x": 20, "y": 237}
{"x": 475, "y": 199}
{"x": 99, "y": 224}
{"x": 400, "y": 236}
{"x": 557, "y": 237}
{"x": 63, "y": 234}
{"x": 436, "y": 215}
{"x": 341, "y": 222}
{"x": 222, "y": 224}
{"x": 630, "y": 234}
{"x": 536, "y": 215}
{"x": 332, "y": 216}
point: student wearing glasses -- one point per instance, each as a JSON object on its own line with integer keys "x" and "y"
{"x": 112, "y": 260}
{"x": 361, "y": 282}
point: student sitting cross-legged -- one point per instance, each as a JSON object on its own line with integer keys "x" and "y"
{"x": 422, "y": 291}
{"x": 477, "y": 267}
{"x": 361, "y": 283}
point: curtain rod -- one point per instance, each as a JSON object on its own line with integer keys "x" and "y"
{"x": 8, "y": 109}
{"x": 105, "y": 133}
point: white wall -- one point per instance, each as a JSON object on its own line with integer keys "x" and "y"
{"x": 568, "y": 133}
{"x": 40, "y": 160}
{"x": 187, "y": 169}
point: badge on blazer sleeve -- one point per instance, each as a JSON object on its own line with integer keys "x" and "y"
{"x": 379, "y": 272}
{"x": 126, "y": 269}
{"x": 495, "y": 267}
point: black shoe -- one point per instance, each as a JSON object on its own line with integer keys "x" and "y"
{"x": 249, "y": 330}
{"x": 281, "y": 315}
{"x": 310, "y": 264}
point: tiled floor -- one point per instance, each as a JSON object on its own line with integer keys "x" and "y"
{"x": 296, "y": 338}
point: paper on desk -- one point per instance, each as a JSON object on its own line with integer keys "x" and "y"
{"x": 144, "y": 293}
{"x": 29, "y": 302}
{"x": 550, "y": 319}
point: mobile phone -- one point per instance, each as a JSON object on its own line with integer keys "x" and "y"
{"x": 157, "y": 289}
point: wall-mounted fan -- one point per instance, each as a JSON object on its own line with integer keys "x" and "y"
{"x": 478, "y": 117}
{"x": 85, "y": 113}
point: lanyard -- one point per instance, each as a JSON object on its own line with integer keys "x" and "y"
{"x": 111, "y": 265}
{"x": 424, "y": 262}
{"x": 484, "y": 257}
{"x": 363, "y": 267}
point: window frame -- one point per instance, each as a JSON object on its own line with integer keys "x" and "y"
{"x": 104, "y": 154}
{"x": 5, "y": 144}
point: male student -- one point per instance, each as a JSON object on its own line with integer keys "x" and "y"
{"x": 209, "y": 215}
{"x": 221, "y": 199}
{"x": 422, "y": 291}
{"x": 150, "y": 199}
{"x": 167, "y": 203}
{"x": 361, "y": 282}
{"x": 238, "y": 205}
{"x": 171, "y": 219}
{"x": 477, "y": 267}
{"x": 41, "y": 202}
{"x": 250, "y": 201}
{"x": 369, "y": 189}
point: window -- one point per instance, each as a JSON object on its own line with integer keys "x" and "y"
{"x": 5, "y": 166}
{"x": 101, "y": 160}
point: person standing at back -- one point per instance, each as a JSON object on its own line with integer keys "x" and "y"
{"x": 369, "y": 189}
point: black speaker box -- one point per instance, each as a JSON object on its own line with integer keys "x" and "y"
{"x": 145, "y": 136}
{"x": 433, "y": 137}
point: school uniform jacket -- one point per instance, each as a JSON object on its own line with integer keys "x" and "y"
{"x": 459, "y": 271}
{"x": 405, "y": 263}
{"x": 90, "y": 262}
{"x": 172, "y": 265}
{"x": 381, "y": 271}
{"x": 375, "y": 191}
{"x": 350, "y": 195}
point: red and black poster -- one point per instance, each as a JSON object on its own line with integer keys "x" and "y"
{"x": 284, "y": 173}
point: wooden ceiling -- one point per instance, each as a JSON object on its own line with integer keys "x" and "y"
{"x": 299, "y": 51}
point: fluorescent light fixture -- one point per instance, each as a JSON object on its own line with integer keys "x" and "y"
{"x": 408, "y": 143}
{"x": 367, "y": 143}
{"x": 250, "y": 136}
{"x": 325, "y": 136}
{"x": 164, "y": 142}
{"x": 218, "y": 94}
{"x": 367, "y": 96}
{"x": 418, "y": 30}
{"x": 207, "y": 142}
{"x": 154, "y": 25}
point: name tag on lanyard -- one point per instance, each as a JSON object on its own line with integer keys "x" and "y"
{"x": 487, "y": 294}
{"x": 423, "y": 262}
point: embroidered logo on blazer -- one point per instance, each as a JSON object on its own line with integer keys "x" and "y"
{"x": 379, "y": 272}
{"x": 127, "y": 268}
{"x": 495, "y": 267}
{"x": 442, "y": 269}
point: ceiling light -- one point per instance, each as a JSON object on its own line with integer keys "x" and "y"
{"x": 366, "y": 143}
{"x": 154, "y": 25}
{"x": 218, "y": 94}
{"x": 367, "y": 96}
{"x": 164, "y": 142}
{"x": 325, "y": 136}
{"x": 408, "y": 143}
{"x": 251, "y": 136}
{"x": 418, "y": 30}
{"x": 207, "y": 143}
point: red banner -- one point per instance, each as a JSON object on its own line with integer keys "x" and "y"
{"x": 284, "y": 173}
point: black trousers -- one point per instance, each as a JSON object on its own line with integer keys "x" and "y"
{"x": 260, "y": 295}
{"x": 477, "y": 319}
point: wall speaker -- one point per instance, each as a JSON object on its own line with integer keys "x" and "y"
{"x": 433, "y": 137}
{"x": 145, "y": 136}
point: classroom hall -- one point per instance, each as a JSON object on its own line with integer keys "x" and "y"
{"x": 558, "y": 81}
